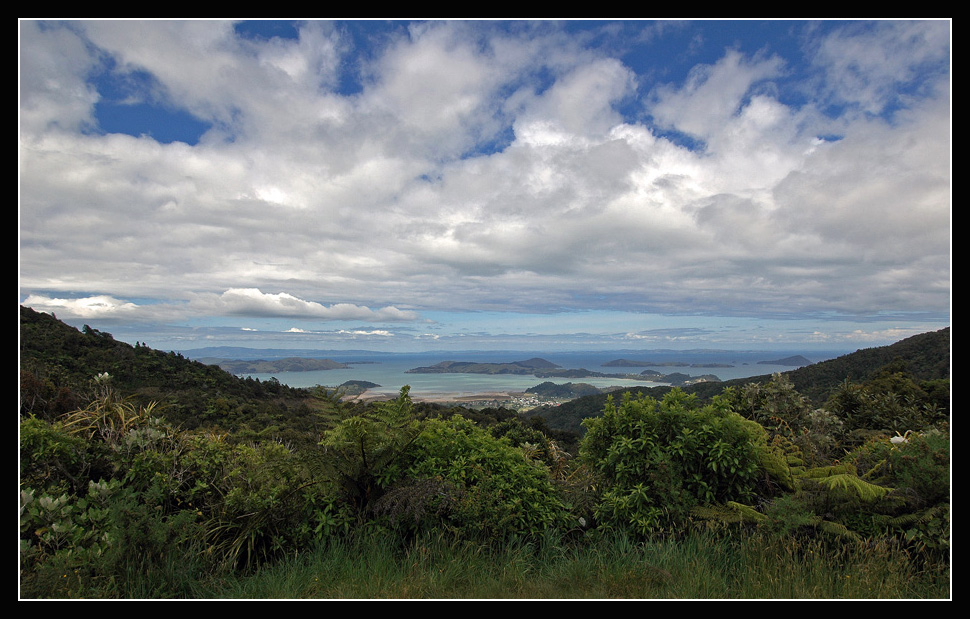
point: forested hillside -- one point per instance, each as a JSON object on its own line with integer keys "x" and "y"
{"x": 919, "y": 365}
{"x": 58, "y": 364}
{"x": 144, "y": 474}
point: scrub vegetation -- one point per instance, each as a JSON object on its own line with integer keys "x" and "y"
{"x": 145, "y": 475}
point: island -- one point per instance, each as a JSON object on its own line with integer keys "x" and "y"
{"x": 541, "y": 368}
{"x": 288, "y": 364}
{"x": 353, "y": 388}
{"x": 527, "y": 367}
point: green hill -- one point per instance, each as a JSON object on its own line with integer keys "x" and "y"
{"x": 58, "y": 364}
{"x": 923, "y": 358}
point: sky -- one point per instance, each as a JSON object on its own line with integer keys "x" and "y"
{"x": 488, "y": 185}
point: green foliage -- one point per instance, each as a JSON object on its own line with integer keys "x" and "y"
{"x": 263, "y": 506}
{"x": 484, "y": 486}
{"x": 927, "y": 531}
{"x": 659, "y": 459}
{"x": 902, "y": 492}
{"x": 917, "y": 466}
{"x": 784, "y": 412}
{"x": 53, "y": 459}
{"x": 892, "y": 403}
{"x": 363, "y": 452}
{"x": 86, "y": 546}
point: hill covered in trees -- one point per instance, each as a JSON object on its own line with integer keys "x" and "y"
{"x": 58, "y": 364}
{"x": 918, "y": 366}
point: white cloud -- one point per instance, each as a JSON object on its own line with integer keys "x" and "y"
{"x": 872, "y": 66}
{"x": 713, "y": 94}
{"x": 253, "y": 302}
{"x": 359, "y": 332}
{"x": 54, "y": 94}
{"x": 390, "y": 198}
{"x": 100, "y": 306}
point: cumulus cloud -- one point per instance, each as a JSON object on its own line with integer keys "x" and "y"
{"x": 253, "y": 302}
{"x": 100, "y": 306}
{"x": 477, "y": 167}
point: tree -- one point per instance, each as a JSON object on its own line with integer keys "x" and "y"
{"x": 362, "y": 452}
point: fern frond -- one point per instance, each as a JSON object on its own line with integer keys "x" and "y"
{"x": 838, "y": 529}
{"x": 730, "y": 512}
{"x": 747, "y": 513}
{"x": 854, "y": 485}
{"x": 828, "y": 471}
{"x": 877, "y": 467}
{"x": 921, "y": 517}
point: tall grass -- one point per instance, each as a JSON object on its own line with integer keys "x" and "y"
{"x": 700, "y": 566}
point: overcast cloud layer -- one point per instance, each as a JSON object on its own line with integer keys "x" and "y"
{"x": 367, "y": 182}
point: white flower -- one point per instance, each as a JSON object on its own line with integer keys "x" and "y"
{"x": 896, "y": 440}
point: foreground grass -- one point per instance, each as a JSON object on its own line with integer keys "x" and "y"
{"x": 700, "y": 567}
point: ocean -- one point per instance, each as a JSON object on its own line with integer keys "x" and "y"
{"x": 390, "y": 370}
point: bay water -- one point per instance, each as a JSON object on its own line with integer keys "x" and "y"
{"x": 390, "y": 370}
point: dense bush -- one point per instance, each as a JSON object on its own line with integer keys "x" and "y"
{"x": 790, "y": 418}
{"x": 493, "y": 488}
{"x": 659, "y": 459}
{"x": 417, "y": 474}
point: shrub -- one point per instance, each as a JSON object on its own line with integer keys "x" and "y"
{"x": 393, "y": 469}
{"x": 89, "y": 545}
{"x": 785, "y": 413}
{"x": 54, "y": 461}
{"x": 483, "y": 484}
{"x": 658, "y": 459}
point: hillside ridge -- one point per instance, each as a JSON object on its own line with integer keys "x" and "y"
{"x": 923, "y": 357}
